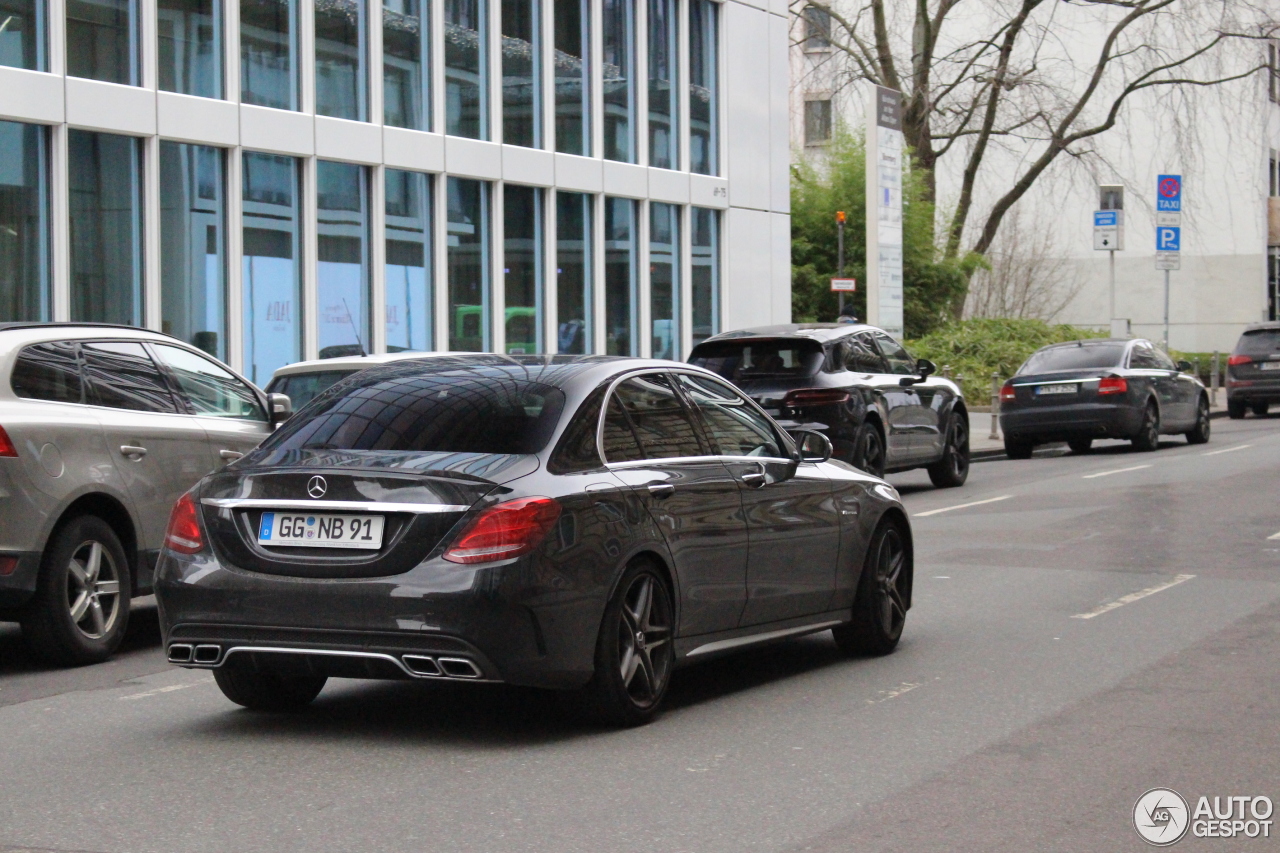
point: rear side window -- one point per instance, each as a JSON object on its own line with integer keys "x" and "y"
{"x": 1074, "y": 357}
{"x": 401, "y": 409}
{"x": 212, "y": 390}
{"x": 1261, "y": 342}
{"x": 122, "y": 376}
{"x": 646, "y": 420}
{"x": 48, "y": 372}
{"x": 740, "y": 361}
{"x": 577, "y": 449}
{"x": 302, "y": 388}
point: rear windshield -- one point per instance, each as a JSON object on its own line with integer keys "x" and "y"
{"x": 745, "y": 360}
{"x": 1261, "y": 342}
{"x": 302, "y": 388}
{"x": 1074, "y": 357}
{"x": 402, "y": 409}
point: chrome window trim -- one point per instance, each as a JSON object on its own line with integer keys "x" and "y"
{"x": 669, "y": 460}
{"x": 330, "y": 506}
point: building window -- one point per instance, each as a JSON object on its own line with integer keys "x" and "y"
{"x": 24, "y": 222}
{"x": 522, "y": 73}
{"x": 269, "y": 53}
{"x": 705, "y": 276}
{"x": 466, "y": 68}
{"x": 22, "y": 40}
{"x": 189, "y": 47}
{"x": 272, "y": 263}
{"x": 468, "y": 257}
{"x": 523, "y": 268}
{"x": 664, "y": 91}
{"x": 410, "y": 300}
{"x": 817, "y": 29}
{"x": 817, "y": 122}
{"x": 406, "y": 43}
{"x": 620, "y": 279}
{"x": 193, "y": 246}
{"x": 342, "y": 250}
{"x": 102, "y": 40}
{"x": 619, "y": 20}
{"x": 340, "y": 59}
{"x": 704, "y": 106}
{"x": 573, "y": 76}
{"x": 664, "y": 279}
{"x": 573, "y": 273}
{"x": 105, "y": 182}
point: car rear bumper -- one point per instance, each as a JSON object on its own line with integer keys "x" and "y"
{"x": 18, "y": 585}
{"x": 1077, "y": 420}
{"x": 1253, "y": 390}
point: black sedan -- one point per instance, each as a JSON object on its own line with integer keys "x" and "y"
{"x": 1253, "y": 371}
{"x": 883, "y": 410}
{"x": 561, "y": 522}
{"x": 1082, "y": 390}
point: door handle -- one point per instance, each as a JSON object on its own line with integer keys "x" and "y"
{"x": 230, "y": 455}
{"x": 133, "y": 451}
{"x": 661, "y": 491}
{"x": 755, "y": 479}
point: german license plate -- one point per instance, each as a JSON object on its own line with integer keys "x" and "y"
{"x": 1057, "y": 389}
{"x": 1269, "y": 365}
{"x": 320, "y": 531}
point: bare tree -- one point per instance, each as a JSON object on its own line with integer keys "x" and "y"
{"x": 1029, "y": 276}
{"x": 1037, "y": 79}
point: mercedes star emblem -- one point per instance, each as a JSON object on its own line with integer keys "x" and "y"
{"x": 317, "y": 487}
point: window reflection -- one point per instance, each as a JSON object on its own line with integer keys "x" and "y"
{"x": 272, "y": 264}
{"x": 664, "y": 279}
{"x": 705, "y": 280}
{"x": 619, "y": 18}
{"x": 521, "y": 72}
{"x": 342, "y": 248}
{"x": 522, "y": 268}
{"x": 468, "y": 257}
{"x": 105, "y": 182}
{"x": 269, "y": 53}
{"x": 620, "y": 279}
{"x": 189, "y": 47}
{"x": 573, "y": 272}
{"x": 22, "y": 38}
{"x": 193, "y": 246}
{"x": 704, "y": 138}
{"x": 410, "y": 304}
{"x": 340, "y": 59}
{"x": 572, "y": 76}
{"x": 466, "y": 68}
{"x": 663, "y": 101}
{"x": 24, "y": 222}
{"x": 406, "y": 76}
{"x": 102, "y": 40}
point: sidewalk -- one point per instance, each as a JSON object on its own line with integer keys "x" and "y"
{"x": 981, "y": 446}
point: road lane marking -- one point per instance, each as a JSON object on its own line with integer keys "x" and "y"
{"x": 1132, "y": 597}
{"x": 1274, "y": 536}
{"x": 1227, "y": 450}
{"x": 1116, "y": 471}
{"x": 886, "y": 695}
{"x": 962, "y": 506}
{"x": 168, "y": 689}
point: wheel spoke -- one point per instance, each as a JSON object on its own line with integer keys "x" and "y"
{"x": 78, "y": 573}
{"x": 895, "y": 598}
{"x": 646, "y": 668}
{"x": 630, "y": 662}
{"x": 94, "y": 563}
{"x": 95, "y": 615}
{"x": 80, "y": 607}
{"x": 107, "y": 587}
{"x": 640, "y": 611}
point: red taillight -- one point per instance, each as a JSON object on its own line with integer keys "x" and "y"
{"x": 1113, "y": 385}
{"x": 1239, "y": 359}
{"x": 815, "y": 397}
{"x": 1007, "y": 392}
{"x": 6, "y": 446}
{"x": 8, "y": 565}
{"x": 183, "y": 534}
{"x": 505, "y": 531}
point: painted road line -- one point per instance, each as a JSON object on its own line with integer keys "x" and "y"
{"x": 1132, "y": 597}
{"x": 1274, "y": 536}
{"x": 1116, "y": 471}
{"x": 169, "y": 689}
{"x": 1227, "y": 450}
{"x": 962, "y": 506}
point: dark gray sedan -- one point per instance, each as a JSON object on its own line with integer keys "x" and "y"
{"x": 1082, "y": 390}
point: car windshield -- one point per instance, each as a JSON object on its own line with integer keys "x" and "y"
{"x": 1080, "y": 356}
{"x": 1261, "y": 342}
{"x": 755, "y": 359}
{"x": 402, "y": 408}
{"x": 302, "y": 388}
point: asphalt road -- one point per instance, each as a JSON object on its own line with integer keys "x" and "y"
{"x": 1003, "y": 722}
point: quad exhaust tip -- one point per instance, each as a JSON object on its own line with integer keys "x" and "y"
{"x": 206, "y": 655}
{"x": 180, "y": 653}
{"x": 441, "y": 667}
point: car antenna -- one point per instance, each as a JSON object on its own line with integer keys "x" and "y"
{"x": 354, "y": 330}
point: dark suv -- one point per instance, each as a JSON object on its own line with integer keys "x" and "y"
{"x": 1253, "y": 371}
{"x": 881, "y": 408}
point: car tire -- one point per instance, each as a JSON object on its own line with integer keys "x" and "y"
{"x": 880, "y": 606}
{"x": 635, "y": 649}
{"x": 1080, "y": 445}
{"x": 264, "y": 690}
{"x": 1199, "y": 434}
{"x": 953, "y": 468}
{"x": 81, "y": 605}
{"x": 1147, "y": 438}
{"x": 1018, "y": 448}
{"x": 1236, "y": 409}
{"x": 1260, "y": 409}
{"x": 870, "y": 453}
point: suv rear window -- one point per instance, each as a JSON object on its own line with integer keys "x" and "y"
{"x": 1074, "y": 357}
{"x": 1261, "y": 342}
{"x": 740, "y": 361}
{"x": 402, "y": 409}
{"x": 302, "y": 388}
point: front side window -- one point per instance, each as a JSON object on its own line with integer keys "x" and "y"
{"x": 573, "y": 273}
{"x": 734, "y": 427}
{"x": 103, "y": 40}
{"x": 705, "y": 271}
{"x": 664, "y": 279}
{"x": 406, "y": 75}
{"x": 664, "y": 92}
{"x": 468, "y": 257}
{"x": 646, "y": 419}
{"x": 523, "y": 268}
{"x": 341, "y": 91}
{"x": 122, "y": 376}
{"x": 522, "y": 72}
{"x": 211, "y": 389}
{"x": 22, "y": 41}
{"x": 900, "y": 361}
{"x": 272, "y": 263}
{"x": 342, "y": 248}
{"x": 193, "y": 275}
{"x": 466, "y": 72}
{"x": 269, "y": 53}
{"x": 48, "y": 372}
{"x": 619, "y": 17}
{"x": 572, "y": 76}
{"x": 410, "y": 300}
{"x": 189, "y": 47}
{"x": 105, "y": 173}
{"x": 24, "y": 222}
{"x": 704, "y": 89}
{"x": 620, "y": 279}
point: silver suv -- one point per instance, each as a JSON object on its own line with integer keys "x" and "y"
{"x": 102, "y": 428}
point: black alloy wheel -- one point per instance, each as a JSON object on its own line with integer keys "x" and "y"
{"x": 1148, "y": 437}
{"x": 1080, "y": 445}
{"x": 263, "y": 690}
{"x": 635, "y": 653}
{"x": 1017, "y": 448}
{"x": 1236, "y": 409}
{"x": 1260, "y": 409}
{"x": 870, "y": 456}
{"x": 1200, "y": 433}
{"x": 953, "y": 468}
{"x": 880, "y": 608}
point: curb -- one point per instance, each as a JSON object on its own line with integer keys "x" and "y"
{"x": 998, "y": 452}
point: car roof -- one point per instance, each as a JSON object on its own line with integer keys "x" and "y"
{"x": 351, "y": 362}
{"x": 820, "y": 332}
{"x": 1089, "y": 342}
{"x": 1269, "y": 326}
{"x": 87, "y": 328}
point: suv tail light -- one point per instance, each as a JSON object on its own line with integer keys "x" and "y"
{"x": 6, "y": 445}
{"x": 504, "y": 531}
{"x": 1239, "y": 359}
{"x": 815, "y": 397}
{"x": 183, "y": 534}
{"x": 1113, "y": 385}
{"x": 1007, "y": 392}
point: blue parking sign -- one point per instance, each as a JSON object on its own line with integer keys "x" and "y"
{"x": 1168, "y": 239}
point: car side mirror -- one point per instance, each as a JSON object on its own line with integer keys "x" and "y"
{"x": 924, "y": 369}
{"x": 281, "y": 408}
{"x": 812, "y": 445}
{"x": 1184, "y": 366}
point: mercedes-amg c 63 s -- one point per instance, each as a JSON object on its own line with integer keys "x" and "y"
{"x": 583, "y": 523}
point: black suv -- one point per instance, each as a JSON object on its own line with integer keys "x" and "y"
{"x": 881, "y": 408}
{"x": 1253, "y": 371}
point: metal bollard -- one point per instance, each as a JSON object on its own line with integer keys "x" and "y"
{"x": 995, "y": 406}
{"x": 1215, "y": 376}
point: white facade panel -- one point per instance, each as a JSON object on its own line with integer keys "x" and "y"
{"x": 625, "y": 179}
{"x": 669, "y": 186}
{"x": 528, "y": 166}
{"x": 185, "y": 118}
{"x": 472, "y": 158}
{"x": 413, "y": 149}
{"x": 581, "y": 174}
{"x": 706, "y": 191}
{"x": 31, "y": 96}
{"x": 779, "y": 172}
{"x": 748, "y": 269}
{"x": 354, "y": 141}
{"x": 94, "y": 105}
{"x": 277, "y": 131}
{"x": 747, "y": 123}
{"x": 780, "y": 267}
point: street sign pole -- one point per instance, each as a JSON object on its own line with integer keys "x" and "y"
{"x": 1112, "y": 253}
{"x": 840, "y": 254}
{"x": 1166, "y": 310}
{"x": 1168, "y": 235}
